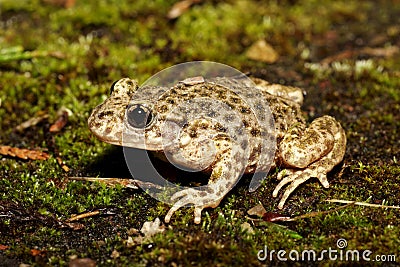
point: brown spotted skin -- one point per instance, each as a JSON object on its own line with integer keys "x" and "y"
{"x": 304, "y": 151}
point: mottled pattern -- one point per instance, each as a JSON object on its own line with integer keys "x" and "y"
{"x": 222, "y": 126}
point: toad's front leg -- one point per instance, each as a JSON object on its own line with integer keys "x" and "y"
{"x": 310, "y": 153}
{"x": 225, "y": 174}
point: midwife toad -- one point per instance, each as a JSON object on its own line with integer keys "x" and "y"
{"x": 303, "y": 151}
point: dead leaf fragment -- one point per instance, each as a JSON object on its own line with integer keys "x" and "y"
{"x": 180, "y": 7}
{"x": 260, "y": 211}
{"x": 247, "y": 227}
{"x": 65, "y": 168}
{"x": 130, "y": 242}
{"x": 262, "y": 51}
{"x": 257, "y": 210}
{"x": 75, "y": 226}
{"x": 63, "y": 3}
{"x": 37, "y": 252}
{"x": 274, "y": 217}
{"x": 60, "y": 122}
{"x": 23, "y": 153}
{"x": 151, "y": 228}
{"x": 62, "y": 164}
{"x": 115, "y": 254}
{"x": 84, "y": 262}
{"x": 148, "y": 230}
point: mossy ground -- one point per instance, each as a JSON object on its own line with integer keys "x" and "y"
{"x": 70, "y": 57}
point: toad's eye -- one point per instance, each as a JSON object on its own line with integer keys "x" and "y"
{"x": 112, "y": 87}
{"x": 139, "y": 116}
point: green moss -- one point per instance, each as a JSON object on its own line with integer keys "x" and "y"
{"x": 52, "y": 57}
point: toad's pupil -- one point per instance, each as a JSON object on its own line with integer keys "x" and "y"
{"x": 139, "y": 116}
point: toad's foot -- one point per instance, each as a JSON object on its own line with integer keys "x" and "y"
{"x": 326, "y": 144}
{"x": 195, "y": 197}
{"x": 296, "y": 178}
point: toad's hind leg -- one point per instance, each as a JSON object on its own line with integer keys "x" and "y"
{"x": 312, "y": 154}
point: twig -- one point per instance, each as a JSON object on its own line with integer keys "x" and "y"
{"x": 83, "y": 215}
{"x": 362, "y": 203}
{"x": 31, "y": 122}
{"x": 317, "y": 213}
{"x": 130, "y": 183}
